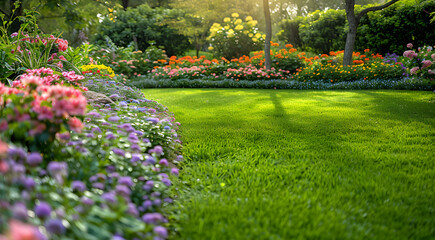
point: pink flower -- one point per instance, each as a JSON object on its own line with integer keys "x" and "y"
{"x": 22, "y": 231}
{"x": 433, "y": 56}
{"x": 430, "y": 71}
{"x": 414, "y": 70}
{"x": 75, "y": 124}
{"x": 426, "y": 63}
{"x": 62, "y": 58}
{"x": 28, "y": 80}
{"x": 63, "y": 44}
{"x": 409, "y": 45}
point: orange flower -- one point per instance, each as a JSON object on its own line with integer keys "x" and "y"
{"x": 324, "y": 55}
{"x": 316, "y": 57}
{"x": 288, "y": 46}
{"x": 366, "y": 50}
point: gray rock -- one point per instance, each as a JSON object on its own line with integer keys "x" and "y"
{"x": 95, "y": 97}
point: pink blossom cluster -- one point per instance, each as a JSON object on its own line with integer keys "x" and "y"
{"x": 46, "y": 76}
{"x": 410, "y": 54}
{"x": 255, "y": 73}
{"x": 42, "y": 105}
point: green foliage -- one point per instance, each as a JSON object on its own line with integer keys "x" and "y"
{"x": 323, "y": 31}
{"x": 140, "y": 26}
{"x": 235, "y": 37}
{"x": 391, "y": 29}
{"x": 289, "y": 32}
{"x": 403, "y": 84}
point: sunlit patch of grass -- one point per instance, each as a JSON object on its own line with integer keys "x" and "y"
{"x": 281, "y": 164}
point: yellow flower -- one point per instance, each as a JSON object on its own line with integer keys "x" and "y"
{"x": 235, "y": 15}
{"x": 258, "y": 35}
{"x": 239, "y": 27}
{"x": 238, "y": 21}
{"x": 246, "y": 32}
{"x": 227, "y": 27}
{"x": 255, "y": 39}
{"x": 251, "y": 35}
{"x": 252, "y": 22}
{"x": 263, "y": 36}
{"x": 210, "y": 48}
{"x": 248, "y": 18}
{"x": 227, "y": 19}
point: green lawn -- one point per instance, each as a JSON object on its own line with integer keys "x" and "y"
{"x": 281, "y": 164}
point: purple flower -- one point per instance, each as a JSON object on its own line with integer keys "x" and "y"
{"x": 151, "y": 110}
{"x": 117, "y": 237}
{"x": 125, "y": 181}
{"x": 147, "y": 204}
{"x": 133, "y": 138}
{"x": 135, "y": 147}
{"x": 179, "y": 158}
{"x": 109, "y": 197}
{"x": 168, "y": 200}
{"x": 157, "y": 150}
{"x": 110, "y": 168}
{"x": 58, "y": 170}
{"x": 152, "y": 218}
{"x": 55, "y": 226}
{"x": 166, "y": 181}
{"x": 43, "y": 210}
{"x": 167, "y": 128}
{"x": 164, "y": 175}
{"x": 19, "y": 211}
{"x": 98, "y": 185}
{"x": 29, "y": 182}
{"x": 86, "y": 201}
{"x": 146, "y": 140}
{"x": 150, "y": 160}
{"x": 153, "y": 120}
{"x": 118, "y": 151}
{"x": 96, "y": 129}
{"x": 163, "y": 162}
{"x": 135, "y": 157}
{"x": 132, "y": 209}
{"x": 123, "y": 190}
{"x": 123, "y": 103}
{"x": 114, "y": 96}
{"x": 157, "y": 202}
{"x": 110, "y": 136}
{"x": 78, "y": 186}
{"x": 17, "y": 152}
{"x": 113, "y": 119}
{"x": 161, "y": 231}
{"x": 175, "y": 171}
{"x": 34, "y": 159}
{"x": 94, "y": 114}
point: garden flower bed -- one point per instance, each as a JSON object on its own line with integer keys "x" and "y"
{"x": 72, "y": 168}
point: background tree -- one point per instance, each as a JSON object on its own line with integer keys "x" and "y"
{"x": 268, "y": 61}
{"x": 353, "y": 21}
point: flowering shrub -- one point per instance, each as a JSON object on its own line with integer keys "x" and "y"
{"x": 337, "y": 73}
{"x": 33, "y": 113}
{"x": 252, "y": 73}
{"x": 420, "y": 63}
{"x": 111, "y": 184}
{"x": 101, "y": 70}
{"x": 235, "y": 37}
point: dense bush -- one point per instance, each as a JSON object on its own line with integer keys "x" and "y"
{"x": 391, "y": 29}
{"x": 141, "y": 26}
{"x": 323, "y": 31}
{"x": 235, "y": 37}
{"x": 383, "y": 31}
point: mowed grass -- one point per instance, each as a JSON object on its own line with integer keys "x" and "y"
{"x": 282, "y": 164}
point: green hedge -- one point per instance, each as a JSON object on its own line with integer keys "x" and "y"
{"x": 385, "y": 31}
{"x": 402, "y": 84}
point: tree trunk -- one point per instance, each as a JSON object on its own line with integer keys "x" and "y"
{"x": 268, "y": 62}
{"x": 353, "y": 21}
{"x": 125, "y": 4}
{"x": 351, "y": 34}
